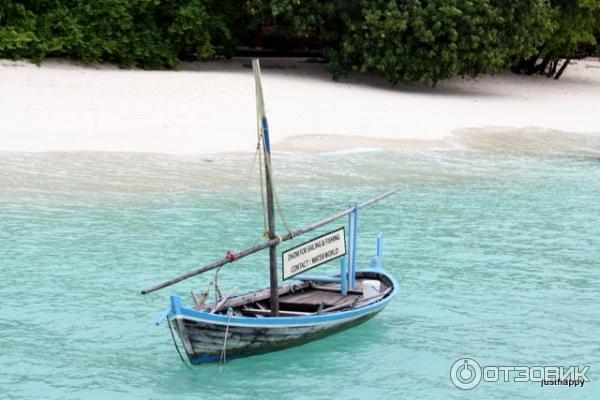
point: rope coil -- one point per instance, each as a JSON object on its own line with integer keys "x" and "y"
{"x": 230, "y": 256}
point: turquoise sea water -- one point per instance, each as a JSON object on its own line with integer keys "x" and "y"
{"x": 497, "y": 255}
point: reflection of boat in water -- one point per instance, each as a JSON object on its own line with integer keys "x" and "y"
{"x": 281, "y": 316}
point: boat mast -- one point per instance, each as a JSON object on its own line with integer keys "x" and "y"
{"x": 264, "y": 129}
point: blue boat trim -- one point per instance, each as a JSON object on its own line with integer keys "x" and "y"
{"x": 165, "y": 314}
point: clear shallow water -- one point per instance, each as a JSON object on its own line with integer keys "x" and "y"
{"x": 497, "y": 254}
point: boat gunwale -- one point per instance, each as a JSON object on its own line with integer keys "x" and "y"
{"x": 317, "y": 319}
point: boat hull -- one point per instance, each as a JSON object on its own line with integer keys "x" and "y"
{"x": 205, "y": 335}
{"x": 204, "y": 342}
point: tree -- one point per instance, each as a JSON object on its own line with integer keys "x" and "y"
{"x": 17, "y": 25}
{"x": 418, "y": 41}
{"x": 145, "y": 33}
{"x": 574, "y": 24}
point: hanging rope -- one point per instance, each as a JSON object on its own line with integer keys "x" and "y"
{"x": 177, "y": 347}
{"x": 284, "y": 220}
{"x": 223, "y": 357}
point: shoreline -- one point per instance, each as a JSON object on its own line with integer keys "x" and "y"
{"x": 208, "y": 108}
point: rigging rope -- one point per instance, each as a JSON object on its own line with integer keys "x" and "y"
{"x": 223, "y": 357}
{"x": 284, "y": 220}
{"x": 177, "y": 347}
{"x": 277, "y": 204}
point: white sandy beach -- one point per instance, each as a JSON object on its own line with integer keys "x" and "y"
{"x": 209, "y": 107}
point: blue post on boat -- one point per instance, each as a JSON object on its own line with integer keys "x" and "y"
{"x": 167, "y": 313}
{"x": 175, "y": 304}
{"x": 352, "y": 244}
{"x": 377, "y": 261}
{"x": 343, "y": 276}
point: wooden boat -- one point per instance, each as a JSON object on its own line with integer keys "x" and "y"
{"x": 306, "y": 308}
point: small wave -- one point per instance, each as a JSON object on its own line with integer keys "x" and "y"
{"x": 357, "y": 150}
{"x": 470, "y": 155}
{"x": 534, "y": 141}
{"x": 346, "y": 144}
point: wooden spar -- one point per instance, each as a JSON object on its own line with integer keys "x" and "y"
{"x": 270, "y": 242}
{"x": 264, "y": 129}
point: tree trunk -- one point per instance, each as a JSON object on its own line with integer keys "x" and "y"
{"x": 541, "y": 68}
{"x": 562, "y": 68}
{"x": 552, "y": 68}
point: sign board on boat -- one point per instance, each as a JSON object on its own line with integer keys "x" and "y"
{"x": 313, "y": 253}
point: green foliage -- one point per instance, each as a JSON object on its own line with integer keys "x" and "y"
{"x": 145, "y": 33}
{"x": 524, "y": 26}
{"x": 419, "y": 41}
{"x": 576, "y": 23}
{"x": 16, "y": 30}
{"x": 572, "y": 25}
